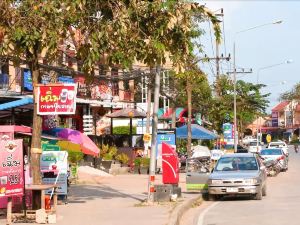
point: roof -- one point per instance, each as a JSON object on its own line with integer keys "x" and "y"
{"x": 198, "y": 132}
{"x": 16, "y": 103}
{"x": 280, "y": 106}
{"x": 127, "y": 113}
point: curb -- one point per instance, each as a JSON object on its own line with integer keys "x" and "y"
{"x": 180, "y": 209}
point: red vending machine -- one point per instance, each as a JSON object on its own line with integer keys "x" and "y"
{"x": 170, "y": 165}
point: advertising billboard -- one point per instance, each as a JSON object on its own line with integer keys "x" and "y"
{"x": 11, "y": 168}
{"x": 56, "y": 99}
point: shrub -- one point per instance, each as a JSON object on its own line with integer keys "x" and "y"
{"x": 122, "y": 158}
{"x": 75, "y": 157}
{"x": 107, "y": 156}
{"x": 145, "y": 162}
{"x": 124, "y": 130}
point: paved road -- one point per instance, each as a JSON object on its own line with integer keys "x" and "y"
{"x": 281, "y": 205}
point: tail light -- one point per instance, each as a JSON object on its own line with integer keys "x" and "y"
{"x": 281, "y": 158}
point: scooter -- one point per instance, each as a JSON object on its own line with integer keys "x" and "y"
{"x": 272, "y": 167}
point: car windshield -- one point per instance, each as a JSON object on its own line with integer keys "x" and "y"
{"x": 236, "y": 163}
{"x": 277, "y": 144}
{"x": 253, "y": 143}
{"x": 271, "y": 152}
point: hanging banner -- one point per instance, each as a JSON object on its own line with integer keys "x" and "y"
{"x": 56, "y": 99}
{"x": 11, "y": 168}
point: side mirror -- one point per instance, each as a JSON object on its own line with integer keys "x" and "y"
{"x": 212, "y": 170}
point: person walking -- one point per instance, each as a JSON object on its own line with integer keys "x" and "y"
{"x": 296, "y": 148}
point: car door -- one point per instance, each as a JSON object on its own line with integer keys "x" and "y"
{"x": 197, "y": 173}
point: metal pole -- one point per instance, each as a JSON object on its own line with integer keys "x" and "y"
{"x": 153, "y": 138}
{"x": 234, "y": 101}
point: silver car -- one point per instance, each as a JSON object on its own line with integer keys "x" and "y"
{"x": 238, "y": 174}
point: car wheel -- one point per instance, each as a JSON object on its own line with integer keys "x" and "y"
{"x": 212, "y": 197}
{"x": 258, "y": 195}
{"x": 264, "y": 190}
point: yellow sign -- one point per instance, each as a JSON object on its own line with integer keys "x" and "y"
{"x": 269, "y": 138}
{"x": 147, "y": 137}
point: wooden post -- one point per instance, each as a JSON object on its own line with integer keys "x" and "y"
{"x": 9, "y": 211}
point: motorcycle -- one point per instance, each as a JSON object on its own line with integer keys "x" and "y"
{"x": 272, "y": 167}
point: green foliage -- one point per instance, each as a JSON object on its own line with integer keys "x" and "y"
{"x": 122, "y": 158}
{"x": 75, "y": 157}
{"x": 108, "y": 152}
{"x": 142, "y": 162}
{"x": 124, "y": 130}
{"x": 295, "y": 139}
{"x": 293, "y": 94}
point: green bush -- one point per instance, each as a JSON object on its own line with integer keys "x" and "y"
{"x": 108, "y": 152}
{"x": 75, "y": 157}
{"x": 124, "y": 130}
{"x": 145, "y": 162}
{"x": 122, "y": 158}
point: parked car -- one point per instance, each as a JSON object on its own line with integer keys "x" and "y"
{"x": 254, "y": 147}
{"x": 279, "y": 144}
{"x": 247, "y": 139}
{"x": 238, "y": 174}
{"x": 275, "y": 154}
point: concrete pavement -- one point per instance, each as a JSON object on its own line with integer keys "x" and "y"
{"x": 114, "y": 200}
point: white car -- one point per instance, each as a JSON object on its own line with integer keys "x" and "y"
{"x": 254, "y": 147}
{"x": 247, "y": 139}
{"x": 279, "y": 144}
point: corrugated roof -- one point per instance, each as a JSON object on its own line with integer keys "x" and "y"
{"x": 280, "y": 106}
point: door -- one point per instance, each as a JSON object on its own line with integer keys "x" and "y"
{"x": 197, "y": 173}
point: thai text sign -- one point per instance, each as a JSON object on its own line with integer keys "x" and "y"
{"x": 55, "y": 99}
{"x": 11, "y": 168}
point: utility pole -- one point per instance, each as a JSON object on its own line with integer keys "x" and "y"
{"x": 235, "y": 72}
{"x": 150, "y": 198}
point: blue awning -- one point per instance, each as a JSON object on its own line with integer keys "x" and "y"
{"x": 13, "y": 104}
{"x": 198, "y": 132}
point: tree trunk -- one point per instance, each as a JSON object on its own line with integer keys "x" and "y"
{"x": 189, "y": 124}
{"x": 173, "y": 116}
{"x": 36, "y": 128}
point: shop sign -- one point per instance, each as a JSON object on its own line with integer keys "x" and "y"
{"x": 55, "y": 161}
{"x": 101, "y": 91}
{"x": 27, "y": 80}
{"x": 56, "y": 99}
{"x": 11, "y": 168}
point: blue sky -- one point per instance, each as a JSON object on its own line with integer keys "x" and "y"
{"x": 262, "y": 47}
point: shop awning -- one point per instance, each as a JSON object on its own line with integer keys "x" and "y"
{"x": 16, "y": 103}
{"x": 198, "y": 132}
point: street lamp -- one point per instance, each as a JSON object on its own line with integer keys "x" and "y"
{"x": 258, "y": 123}
{"x": 234, "y": 75}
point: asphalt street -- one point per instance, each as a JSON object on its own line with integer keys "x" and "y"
{"x": 281, "y": 205}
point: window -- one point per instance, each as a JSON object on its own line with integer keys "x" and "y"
{"x": 115, "y": 84}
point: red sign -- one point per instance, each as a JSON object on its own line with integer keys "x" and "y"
{"x": 170, "y": 164}
{"x": 11, "y": 168}
{"x": 54, "y": 99}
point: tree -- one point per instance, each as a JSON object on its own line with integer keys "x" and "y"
{"x": 32, "y": 30}
{"x": 250, "y": 103}
{"x": 293, "y": 94}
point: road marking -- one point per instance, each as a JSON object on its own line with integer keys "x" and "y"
{"x": 202, "y": 215}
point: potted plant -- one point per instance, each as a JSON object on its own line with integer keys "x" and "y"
{"x": 142, "y": 165}
{"x": 107, "y": 153}
{"x": 123, "y": 159}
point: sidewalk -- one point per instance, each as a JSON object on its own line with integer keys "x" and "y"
{"x": 114, "y": 201}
